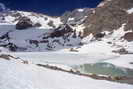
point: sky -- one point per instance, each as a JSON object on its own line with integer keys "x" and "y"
{"x": 51, "y": 7}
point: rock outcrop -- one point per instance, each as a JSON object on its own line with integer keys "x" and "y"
{"x": 61, "y": 31}
{"x": 24, "y": 23}
{"x": 109, "y": 16}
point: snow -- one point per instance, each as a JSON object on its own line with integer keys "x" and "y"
{"x": 116, "y": 34}
{"x": 9, "y": 19}
{"x": 63, "y": 58}
{"x": 130, "y": 11}
{"x": 40, "y": 19}
{"x": 15, "y": 75}
{"x": 87, "y": 39}
{"x": 3, "y": 49}
{"x": 102, "y": 46}
{"x": 96, "y": 47}
{"x": 20, "y": 38}
{"x": 35, "y": 18}
{"x": 68, "y": 68}
{"x": 129, "y": 46}
{"x": 101, "y": 4}
{"x": 6, "y": 27}
{"x": 119, "y": 32}
{"x": 122, "y": 61}
{"x": 80, "y": 28}
{"x": 80, "y": 10}
{"x": 70, "y": 19}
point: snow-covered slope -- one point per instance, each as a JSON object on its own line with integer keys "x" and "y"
{"x": 16, "y": 75}
{"x": 33, "y": 32}
{"x": 28, "y": 31}
{"x": 48, "y": 48}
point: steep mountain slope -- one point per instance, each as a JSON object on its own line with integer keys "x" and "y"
{"x": 108, "y": 26}
{"x": 28, "y": 31}
{"x": 110, "y": 15}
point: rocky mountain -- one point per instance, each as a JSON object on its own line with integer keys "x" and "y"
{"x": 28, "y": 31}
{"x": 37, "y": 50}
{"x": 109, "y": 24}
{"x": 109, "y": 18}
{"x": 114, "y": 14}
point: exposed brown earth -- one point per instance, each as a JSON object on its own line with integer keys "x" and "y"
{"x": 128, "y": 36}
{"x": 109, "y": 17}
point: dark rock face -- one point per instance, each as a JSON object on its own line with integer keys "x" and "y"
{"x": 99, "y": 35}
{"x": 110, "y": 16}
{"x": 61, "y": 31}
{"x": 129, "y": 25}
{"x": 50, "y": 23}
{"x": 37, "y": 25}
{"x": 12, "y": 47}
{"x": 24, "y": 23}
{"x": 121, "y": 51}
{"x": 128, "y": 36}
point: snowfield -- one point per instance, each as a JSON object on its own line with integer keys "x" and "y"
{"x": 123, "y": 61}
{"x": 63, "y": 58}
{"x": 50, "y": 41}
{"x": 15, "y": 75}
{"x": 130, "y": 11}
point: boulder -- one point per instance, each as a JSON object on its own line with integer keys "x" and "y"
{"x": 24, "y": 23}
{"x": 37, "y": 25}
{"x": 99, "y": 35}
{"x": 61, "y": 31}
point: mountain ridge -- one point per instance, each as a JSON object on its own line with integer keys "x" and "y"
{"x": 70, "y": 31}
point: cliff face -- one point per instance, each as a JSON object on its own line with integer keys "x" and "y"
{"x": 110, "y": 15}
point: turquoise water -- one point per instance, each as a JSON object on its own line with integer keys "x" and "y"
{"x": 104, "y": 69}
